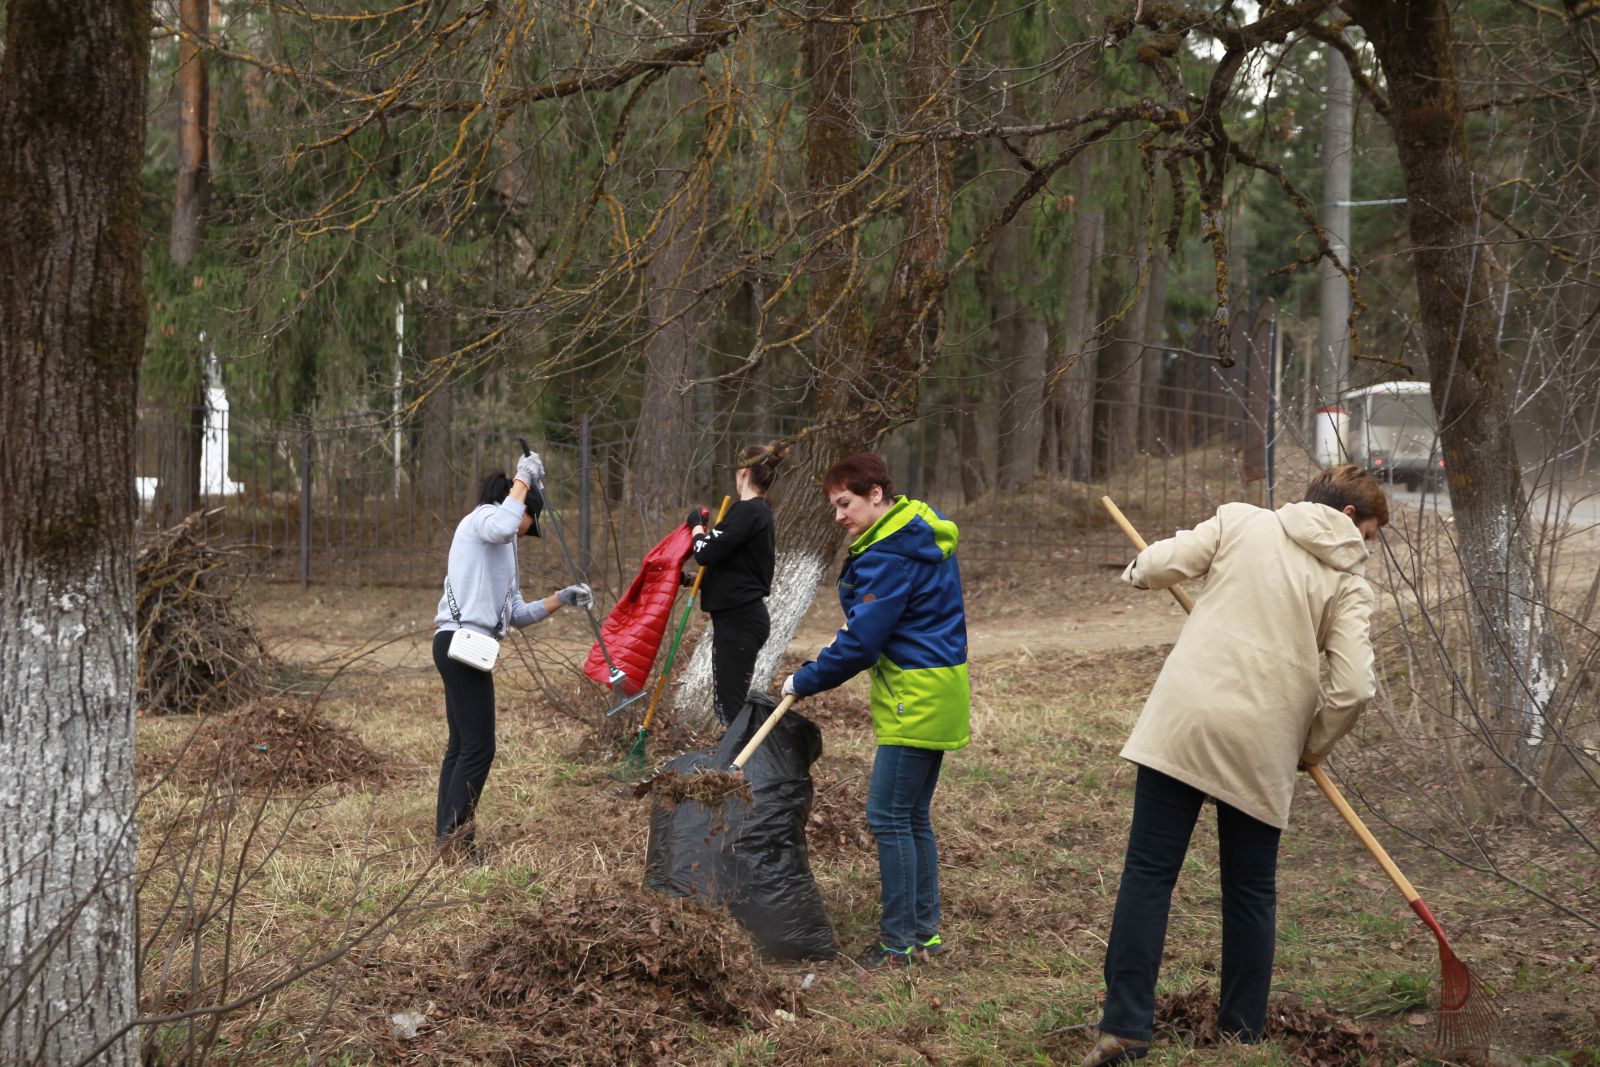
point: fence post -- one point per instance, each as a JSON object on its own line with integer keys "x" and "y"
{"x": 583, "y": 495}
{"x": 305, "y": 506}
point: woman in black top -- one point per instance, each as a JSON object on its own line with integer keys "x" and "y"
{"x": 740, "y": 555}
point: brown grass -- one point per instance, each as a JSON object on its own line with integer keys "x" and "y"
{"x": 505, "y": 962}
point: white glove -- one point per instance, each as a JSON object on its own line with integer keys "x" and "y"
{"x": 575, "y": 596}
{"x": 1132, "y": 575}
{"x": 530, "y": 470}
{"x": 788, "y": 686}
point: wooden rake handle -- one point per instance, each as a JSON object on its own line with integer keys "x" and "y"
{"x": 1138, "y": 542}
{"x": 694, "y": 591}
{"x": 1318, "y": 775}
{"x": 749, "y": 750}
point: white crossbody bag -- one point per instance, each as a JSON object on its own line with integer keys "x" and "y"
{"x": 470, "y": 647}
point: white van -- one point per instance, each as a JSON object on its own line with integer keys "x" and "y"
{"x": 1390, "y": 430}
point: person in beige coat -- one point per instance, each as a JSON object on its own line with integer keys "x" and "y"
{"x": 1237, "y": 708}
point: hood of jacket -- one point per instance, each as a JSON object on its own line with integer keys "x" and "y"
{"x": 1326, "y": 533}
{"x": 912, "y": 529}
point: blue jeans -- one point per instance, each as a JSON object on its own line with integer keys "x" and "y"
{"x": 1164, "y": 814}
{"x": 903, "y": 780}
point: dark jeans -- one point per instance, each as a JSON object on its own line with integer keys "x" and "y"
{"x": 736, "y": 639}
{"x": 469, "y": 710}
{"x": 903, "y": 780}
{"x": 1164, "y": 813}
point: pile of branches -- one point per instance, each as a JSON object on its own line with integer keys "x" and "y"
{"x": 277, "y": 744}
{"x": 198, "y": 650}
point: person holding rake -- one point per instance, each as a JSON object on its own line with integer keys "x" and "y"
{"x": 1237, "y": 709}
{"x": 739, "y": 555}
{"x": 906, "y": 621}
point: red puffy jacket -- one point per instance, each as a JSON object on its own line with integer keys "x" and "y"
{"x": 634, "y": 629}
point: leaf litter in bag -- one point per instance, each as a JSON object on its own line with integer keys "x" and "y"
{"x": 745, "y": 852}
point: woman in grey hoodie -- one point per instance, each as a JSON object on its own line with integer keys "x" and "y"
{"x": 481, "y": 594}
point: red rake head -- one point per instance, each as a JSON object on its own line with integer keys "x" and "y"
{"x": 1468, "y": 1014}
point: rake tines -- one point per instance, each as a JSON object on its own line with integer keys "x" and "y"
{"x": 1468, "y": 1014}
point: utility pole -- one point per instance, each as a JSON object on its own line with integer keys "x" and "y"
{"x": 1333, "y": 342}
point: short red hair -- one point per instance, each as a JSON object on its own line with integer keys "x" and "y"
{"x": 858, "y": 473}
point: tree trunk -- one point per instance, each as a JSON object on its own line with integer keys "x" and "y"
{"x": 1333, "y": 314}
{"x": 864, "y": 386}
{"x": 968, "y": 457}
{"x": 1516, "y": 644}
{"x": 72, "y": 320}
{"x": 194, "y": 163}
{"x": 1073, "y": 397}
{"x": 1023, "y": 344}
{"x": 182, "y": 435}
{"x": 443, "y": 494}
{"x": 1152, "y": 426}
{"x": 1120, "y": 365}
{"x": 668, "y": 430}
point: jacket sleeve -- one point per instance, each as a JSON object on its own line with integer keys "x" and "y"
{"x": 722, "y": 540}
{"x": 524, "y": 613}
{"x": 883, "y": 588}
{"x": 1351, "y": 681}
{"x": 1166, "y": 563}
{"x": 498, "y": 526}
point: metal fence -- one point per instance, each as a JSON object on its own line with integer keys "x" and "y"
{"x": 364, "y": 501}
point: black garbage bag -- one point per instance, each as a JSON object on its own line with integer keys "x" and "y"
{"x": 748, "y": 855}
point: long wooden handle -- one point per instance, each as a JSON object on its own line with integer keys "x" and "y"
{"x": 1318, "y": 775}
{"x": 761, "y": 735}
{"x": 1138, "y": 542}
{"x": 694, "y": 591}
{"x": 1379, "y": 853}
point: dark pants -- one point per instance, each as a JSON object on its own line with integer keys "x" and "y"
{"x": 1164, "y": 813}
{"x": 469, "y": 710}
{"x": 898, "y": 799}
{"x": 736, "y": 639}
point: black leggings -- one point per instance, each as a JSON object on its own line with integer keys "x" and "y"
{"x": 469, "y": 710}
{"x": 736, "y": 639}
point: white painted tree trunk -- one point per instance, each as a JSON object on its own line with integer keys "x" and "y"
{"x": 794, "y": 586}
{"x": 72, "y": 324}
{"x": 67, "y": 842}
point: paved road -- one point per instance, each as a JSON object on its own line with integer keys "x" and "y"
{"x": 1578, "y": 509}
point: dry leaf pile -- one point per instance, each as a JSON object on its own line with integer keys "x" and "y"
{"x": 613, "y": 975}
{"x": 276, "y": 745}
{"x": 1313, "y": 1037}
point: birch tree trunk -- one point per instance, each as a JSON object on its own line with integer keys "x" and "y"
{"x": 864, "y": 378}
{"x": 72, "y": 319}
{"x": 1521, "y": 661}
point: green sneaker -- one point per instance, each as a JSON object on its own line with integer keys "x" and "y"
{"x": 933, "y": 946}
{"x": 881, "y": 957}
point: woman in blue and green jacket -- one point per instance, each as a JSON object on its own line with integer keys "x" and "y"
{"x": 905, "y": 621}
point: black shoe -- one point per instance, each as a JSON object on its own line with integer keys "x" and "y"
{"x": 930, "y": 947}
{"x": 881, "y": 957}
